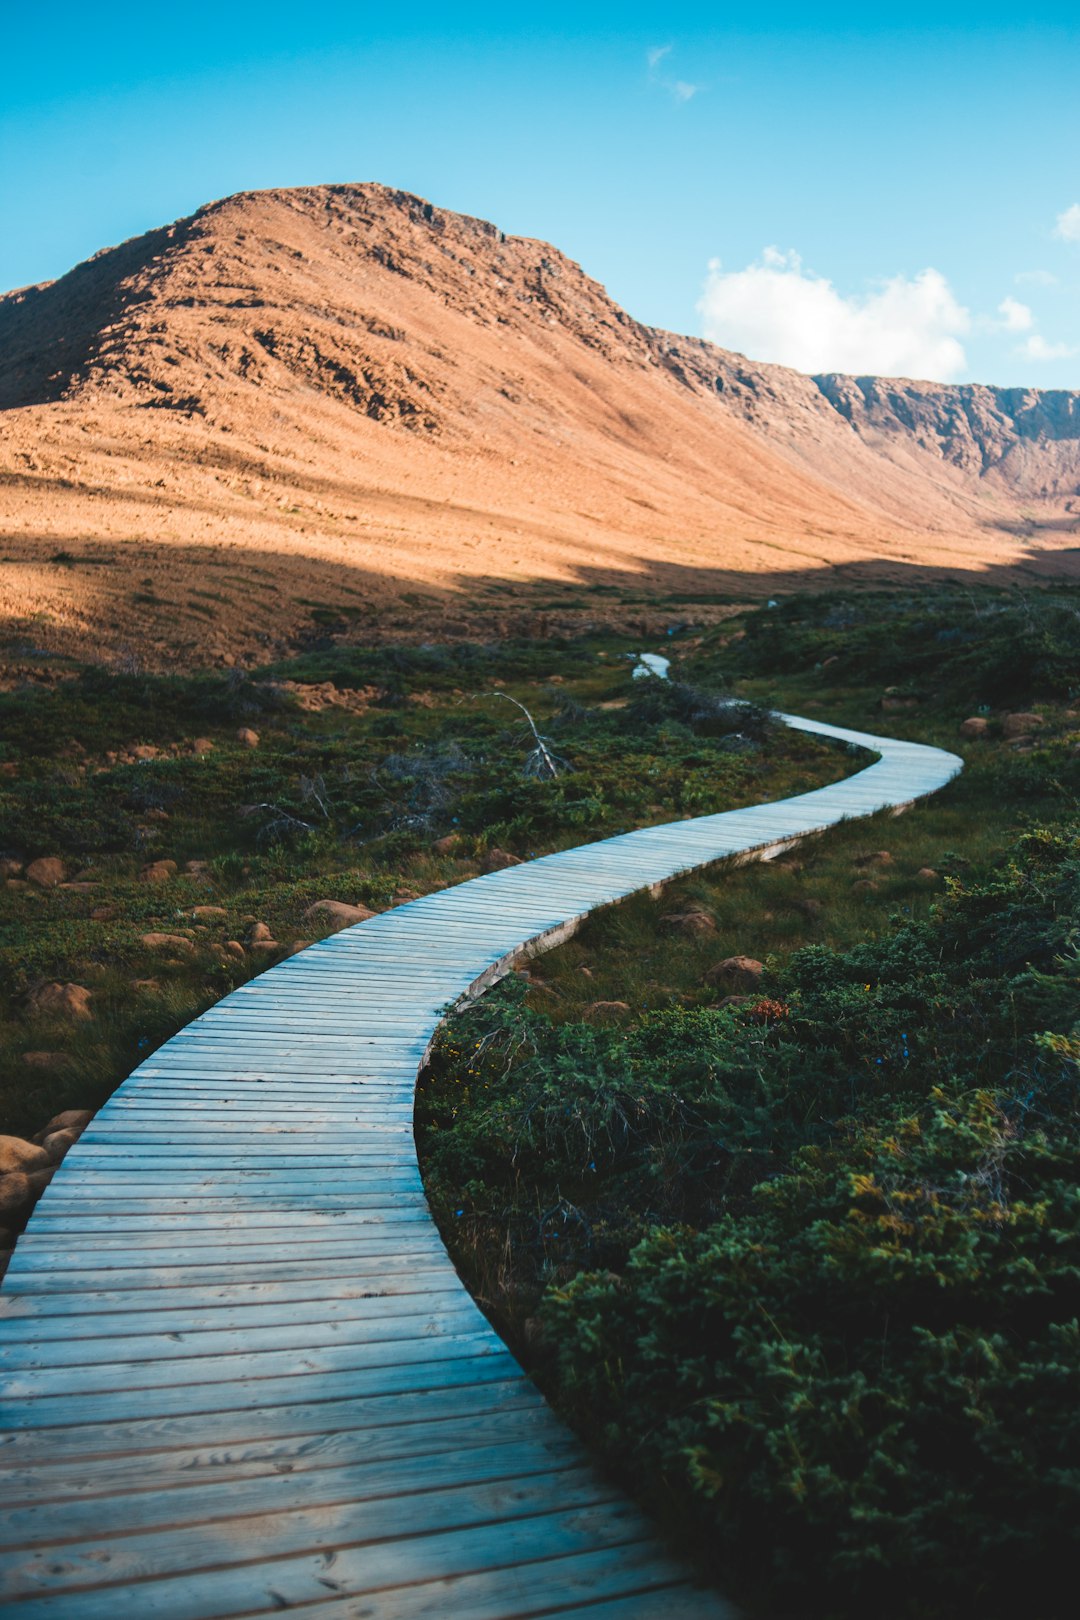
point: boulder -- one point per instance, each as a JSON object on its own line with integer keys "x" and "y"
{"x": 71, "y": 1119}
{"x": 202, "y": 745}
{"x": 158, "y": 872}
{"x": 447, "y": 845}
{"x": 247, "y": 738}
{"x": 1013, "y": 725}
{"x": 61, "y": 1001}
{"x": 736, "y": 972}
{"x": 10, "y": 867}
{"x": 926, "y": 874}
{"x": 47, "y": 871}
{"x": 297, "y": 946}
{"x": 16, "y": 1191}
{"x": 209, "y": 911}
{"x": 57, "y": 1143}
{"x": 976, "y": 726}
{"x": 46, "y": 1060}
{"x": 144, "y": 751}
{"x": 15, "y": 1154}
{"x": 879, "y": 857}
{"x": 601, "y": 1010}
{"x": 497, "y": 860}
{"x": 232, "y": 951}
{"x": 335, "y": 914}
{"x": 689, "y": 922}
{"x": 260, "y": 934}
{"x": 166, "y": 944}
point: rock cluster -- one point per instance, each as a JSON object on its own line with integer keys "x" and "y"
{"x": 26, "y": 1168}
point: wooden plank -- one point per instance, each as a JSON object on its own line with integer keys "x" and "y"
{"x": 316, "y": 1576}
{"x": 83, "y": 1478}
{"x": 236, "y": 1271}
{"x": 234, "y": 1433}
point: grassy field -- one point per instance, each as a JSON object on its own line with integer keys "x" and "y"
{"x": 190, "y": 824}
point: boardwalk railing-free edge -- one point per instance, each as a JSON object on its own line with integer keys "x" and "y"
{"x": 240, "y": 1373}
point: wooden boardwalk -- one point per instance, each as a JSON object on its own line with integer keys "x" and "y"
{"x": 240, "y": 1373}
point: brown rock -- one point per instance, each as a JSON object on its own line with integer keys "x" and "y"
{"x": 72, "y": 1119}
{"x": 16, "y": 1191}
{"x": 144, "y": 751}
{"x": 864, "y": 886}
{"x": 497, "y": 860}
{"x": 976, "y": 726}
{"x": 689, "y": 922}
{"x": 233, "y": 949}
{"x": 39, "y": 1179}
{"x": 247, "y": 738}
{"x": 61, "y": 1001}
{"x": 926, "y": 874}
{"x": 202, "y": 745}
{"x": 15, "y": 1154}
{"x": 1020, "y": 725}
{"x": 209, "y": 911}
{"x": 146, "y": 987}
{"x": 738, "y": 972}
{"x": 260, "y": 934}
{"x": 57, "y": 1143}
{"x": 46, "y": 1060}
{"x": 157, "y": 814}
{"x": 158, "y": 872}
{"x": 447, "y": 845}
{"x": 880, "y": 857}
{"x": 336, "y": 914}
{"x": 176, "y": 944}
{"x": 47, "y": 871}
{"x": 197, "y": 868}
{"x": 297, "y": 946}
{"x": 600, "y": 1010}
{"x": 10, "y": 867}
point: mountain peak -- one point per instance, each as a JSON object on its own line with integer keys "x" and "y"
{"x": 283, "y": 364}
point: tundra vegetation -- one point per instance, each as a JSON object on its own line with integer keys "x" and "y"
{"x": 772, "y": 1180}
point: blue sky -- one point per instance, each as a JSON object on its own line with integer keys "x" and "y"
{"x": 896, "y": 192}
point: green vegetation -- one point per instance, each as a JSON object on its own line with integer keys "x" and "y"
{"x": 411, "y": 775}
{"x": 801, "y": 1256}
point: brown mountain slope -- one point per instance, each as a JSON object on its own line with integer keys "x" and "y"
{"x": 344, "y": 396}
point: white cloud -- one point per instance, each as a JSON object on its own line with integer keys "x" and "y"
{"x": 775, "y": 310}
{"x": 679, "y": 89}
{"x": 1035, "y": 278}
{"x": 1015, "y": 317}
{"x": 1036, "y": 347}
{"x": 1067, "y": 226}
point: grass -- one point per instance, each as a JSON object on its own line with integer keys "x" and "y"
{"x": 332, "y": 804}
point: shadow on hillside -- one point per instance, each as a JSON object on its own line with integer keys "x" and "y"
{"x": 160, "y": 602}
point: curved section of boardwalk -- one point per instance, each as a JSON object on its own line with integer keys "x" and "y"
{"x": 241, "y": 1374}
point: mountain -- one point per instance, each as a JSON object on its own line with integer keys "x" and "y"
{"x": 343, "y": 403}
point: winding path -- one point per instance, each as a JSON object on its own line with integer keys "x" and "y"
{"x": 240, "y": 1372}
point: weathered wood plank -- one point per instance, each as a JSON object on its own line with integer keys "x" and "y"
{"x": 284, "y": 1395}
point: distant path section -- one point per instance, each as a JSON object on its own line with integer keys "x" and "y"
{"x": 240, "y": 1373}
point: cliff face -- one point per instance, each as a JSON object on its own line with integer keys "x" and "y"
{"x": 352, "y": 383}
{"x": 1026, "y": 439}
